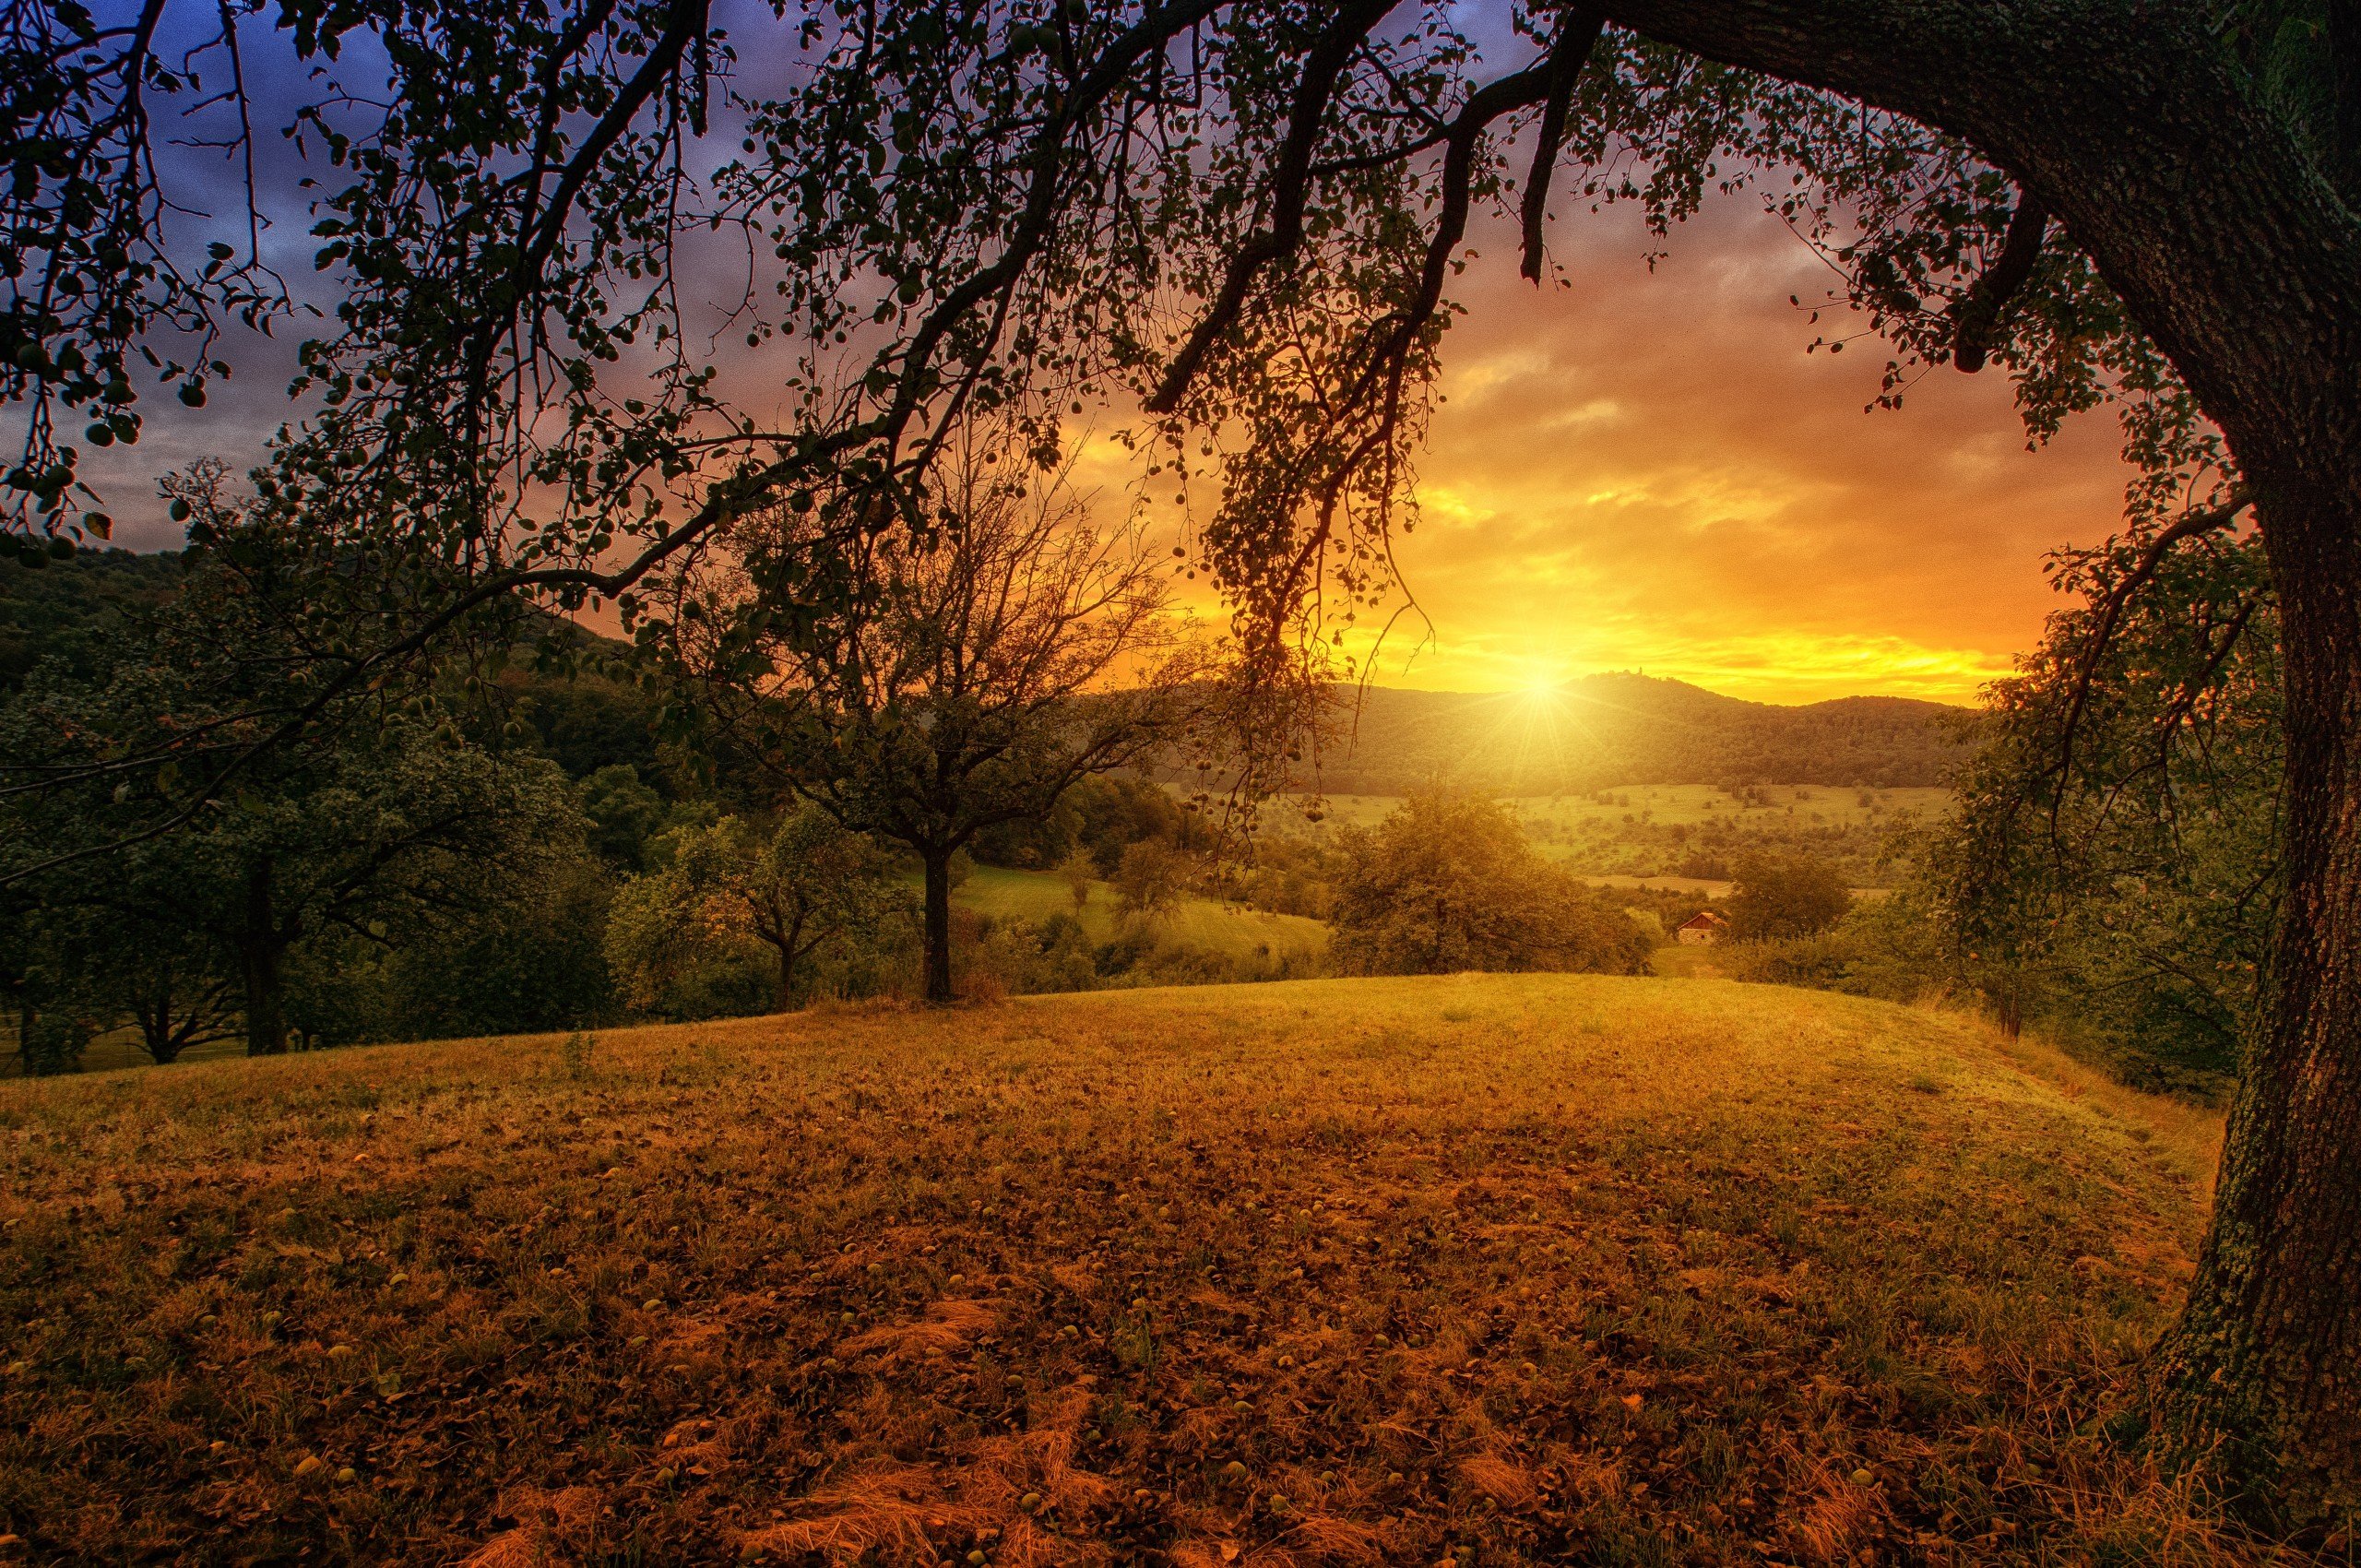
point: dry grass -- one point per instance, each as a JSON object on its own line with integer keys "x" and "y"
{"x": 1507, "y": 1270}
{"x": 1207, "y": 925}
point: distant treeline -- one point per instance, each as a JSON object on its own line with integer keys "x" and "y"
{"x": 1605, "y": 730}
{"x": 544, "y": 856}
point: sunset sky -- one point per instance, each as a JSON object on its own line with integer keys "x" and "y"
{"x": 1644, "y": 471}
{"x": 1647, "y": 471}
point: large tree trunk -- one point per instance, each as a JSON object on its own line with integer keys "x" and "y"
{"x": 786, "y": 976}
{"x": 157, "y": 1034}
{"x": 259, "y": 952}
{"x": 2268, "y": 1350}
{"x": 2217, "y": 230}
{"x": 938, "y": 925}
{"x": 788, "y": 941}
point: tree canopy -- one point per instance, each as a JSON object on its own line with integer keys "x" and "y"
{"x": 2115, "y": 865}
{"x": 1449, "y": 882}
{"x": 1785, "y": 896}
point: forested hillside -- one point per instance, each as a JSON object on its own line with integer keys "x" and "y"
{"x": 1623, "y": 729}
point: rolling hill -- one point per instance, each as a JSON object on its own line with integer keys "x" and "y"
{"x": 1592, "y": 734}
{"x": 1611, "y": 730}
{"x": 1512, "y": 1269}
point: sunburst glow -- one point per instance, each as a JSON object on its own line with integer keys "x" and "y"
{"x": 1647, "y": 472}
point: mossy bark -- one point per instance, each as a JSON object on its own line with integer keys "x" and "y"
{"x": 2269, "y": 1352}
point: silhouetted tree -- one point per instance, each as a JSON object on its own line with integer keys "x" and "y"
{"x": 1004, "y": 653}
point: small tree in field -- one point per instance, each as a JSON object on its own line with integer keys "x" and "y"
{"x": 1449, "y": 882}
{"x": 1005, "y": 652}
{"x": 1787, "y": 896}
{"x": 792, "y": 891}
{"x": 1078, "y": 873}
{"x": 1150, "y": 879}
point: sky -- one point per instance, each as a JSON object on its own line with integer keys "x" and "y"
{"x": 1647, "y": 471}
{"x": 1644, "y": 471}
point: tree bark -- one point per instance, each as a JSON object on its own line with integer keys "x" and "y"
{"x": 938, "y": 925}
{"x": 787, "y": 937}
{"x": 786, "y": 975}
{"x": 157, "y": 1034}
{"x": 2268, "y": 1350}
{"x": 260, "y": 948}
{"x": 2229, "y": 246}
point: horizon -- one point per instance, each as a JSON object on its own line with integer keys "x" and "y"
{"x": 1559, "y": 688}
{"x": 602, "y": 625}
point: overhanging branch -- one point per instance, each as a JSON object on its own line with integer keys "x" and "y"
{"x": 2193, "y": 525}
{"x": 1980, "y": 309}
{"x": 1577, "y": 36}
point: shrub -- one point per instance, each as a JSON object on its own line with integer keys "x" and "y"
{"x": 1781, "y": 896}
{"x": 1150, "y": 878}
{"x": 1450, "y": 882}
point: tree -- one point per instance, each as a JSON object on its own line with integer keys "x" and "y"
{"x": 1449, "y": 882}
{"x": 1778, "y": 896}
{"x": 807, "y": 884}
{"x": 1247, "y": 217}
{"x": 376, "y": 825}
{"x": 2114, "y": 865}
{"x": 135, "y": 955}
{"x": 1008, "y": 651}
{"x": 802, "y": 885}
{"x": 623, "y": 815}
{"x": 1150, "y": 879}
{"x": 1079, "y": 873}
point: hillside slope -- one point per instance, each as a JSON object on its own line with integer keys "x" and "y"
{"x": 1205, "y": 924}
{"x": 1538, "y": 1267}
{"x": 1619, "y": 728}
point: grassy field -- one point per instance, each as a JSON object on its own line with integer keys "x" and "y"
{"x": 1651, "y": 832}
{"x": 1202, "y": 924}
{"x": 1693, "y": 804}
{"x": 1493, "y": 1269}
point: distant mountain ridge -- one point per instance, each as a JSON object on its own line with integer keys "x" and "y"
{"x": 1608, "y": 730}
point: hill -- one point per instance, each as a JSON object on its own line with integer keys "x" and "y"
{"x": 1520, "y": 1269}
{"x": 1611, "y": 730}
{"x": 1206, "y": 925}
{"x": 80, "y": 612}
{"x": 1592, "y": 734}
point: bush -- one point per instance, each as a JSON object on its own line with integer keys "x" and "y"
{"x": 1782, "y": 896}
{"x": 53, "y": 1043}
{"x": 1026, "y": 958}
{"x": 1450, "y": 882}
{"x": 1890, "y": 948}
{"x": 1150, "y": 878}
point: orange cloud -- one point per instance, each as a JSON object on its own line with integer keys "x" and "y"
{"x": 1647, "y": 469}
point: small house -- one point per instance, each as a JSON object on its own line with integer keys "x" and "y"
{"x": 1705, "y": 925}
